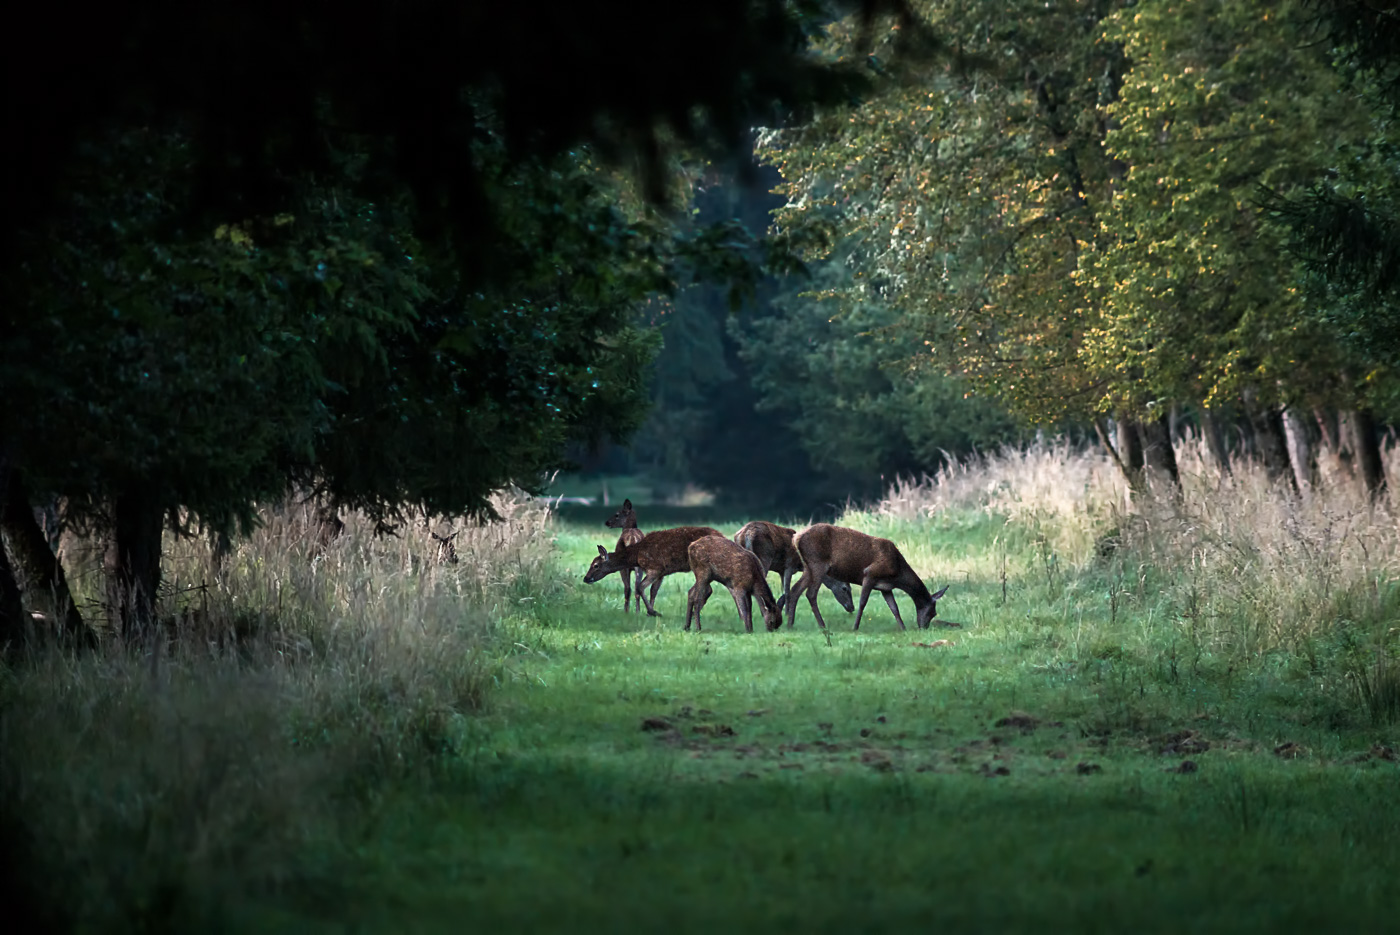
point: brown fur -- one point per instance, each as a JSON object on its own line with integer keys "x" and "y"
{"x": 715, "y": 558}
{"x": 446, "y": 551}
{"x": 658, "y": 554}
{"x": 626, "y": 520}
{"x": 772, "y": 544}
{"x": 857, "y": 558}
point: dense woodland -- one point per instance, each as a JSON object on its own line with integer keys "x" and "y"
{"x": 1093, "y": 303}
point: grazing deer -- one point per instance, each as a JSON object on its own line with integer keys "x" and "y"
{"x": 626, "y": 520}
{"x": 446, "y": 551}
{"x": 715, "y": 558}
{"x": 659, "y": 554}
{"x": 854, "y": 557}
{"x": 773, "y": 546}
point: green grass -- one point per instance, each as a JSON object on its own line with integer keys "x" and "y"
{"x": 806, "y": 781}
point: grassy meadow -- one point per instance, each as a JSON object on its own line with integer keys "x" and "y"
{"x": 1180, "y": 716}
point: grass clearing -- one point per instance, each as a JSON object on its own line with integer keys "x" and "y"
{"x": 1164, "y": 720}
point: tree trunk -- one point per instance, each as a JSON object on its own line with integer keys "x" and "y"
{"x": 50, "y": 523}
{"x": 1365, "y": 443}
{"x": 1301, "y": 454}
{"x": 1268, "y": 435}
{"x": 1215, "y": 441}
{"x": 14, "y": 622}
{"x": 1130, "y": 452}
{"x": 1327, "y": 427}
{"x": 1157, "y": 452}
{"x": 36, "y": 562}
{"x": 133, "y": 563}
{"x": 220, "y": 548}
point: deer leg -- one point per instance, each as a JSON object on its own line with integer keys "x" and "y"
{"x": 690, "y": 604}
{"x": 894, "y": 608}
{"x": 744, "y": 602}
{"x": 637, "y": 600}
{"x": 786, "y": 575}
{"x": 651, "y": 601}
{"x": 701, "y": 598}
{"x": 792, "y": 604}
{"x": 865, "y": 587}
{"x": 626, "y": 591}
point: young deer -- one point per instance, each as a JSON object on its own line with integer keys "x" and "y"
{"x": 659, "y": 554}
{"x": 773, "y": 546}
{"x": 715, "y": 558}
{"x": 626, "y": 520}
{"x": 854, "y": 557}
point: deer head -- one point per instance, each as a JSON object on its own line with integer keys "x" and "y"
{"x": 623, "y": 518}
{"x": 772, "y": 617}
{"x": 602, "y": 566}
{"x": 930, "y": 610}
{"x": 446, "y": 551}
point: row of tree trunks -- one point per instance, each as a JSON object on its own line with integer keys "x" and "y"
{"x": 1281, "y": 437}
{"x": 35, "y": 562}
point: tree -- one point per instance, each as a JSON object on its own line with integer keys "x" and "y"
{"x": 196, "y": 374}
{"x": 967, "y": 197}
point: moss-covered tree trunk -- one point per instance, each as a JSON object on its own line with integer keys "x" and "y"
{"x": 36, "y": 563}
{"x": 132, "y": 563}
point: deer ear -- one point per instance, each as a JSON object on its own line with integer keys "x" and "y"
{"x": 941, "y": 593}
{"x": 627, "y": 504}
{"x": 602, "y": 551}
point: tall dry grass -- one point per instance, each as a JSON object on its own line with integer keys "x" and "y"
{"x": 1248, "y": 568}
{"x": 147, "y": 787}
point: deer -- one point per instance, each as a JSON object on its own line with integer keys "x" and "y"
{"x": 772, "y": 544}
{"x": 715, "y": 558}
{"x": 658, "y": 554}
{"x": 856, "y": 558}
{"x": 626, "y": 520}
{"x": 446, "y": 551}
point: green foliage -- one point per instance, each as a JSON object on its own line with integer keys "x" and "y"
{"x": 838, "y": 372}
{"x": 968, "y": 196}
{"x": 1200, "y": 297}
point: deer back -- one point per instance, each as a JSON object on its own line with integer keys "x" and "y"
{"x": 847, "y": 553}
{"x": 771, "y": 543}
{"x": 666, "y": 551}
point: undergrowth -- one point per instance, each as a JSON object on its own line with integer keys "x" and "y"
{"x": 153, "y": 788}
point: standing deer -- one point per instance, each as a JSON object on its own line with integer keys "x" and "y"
{"x": 714, "y": 558}
{"x": 626, "y": 520}
{"x": 773, "y": 546}
{"x": 659, "y": 554}
{"x": 857, "y": 558}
